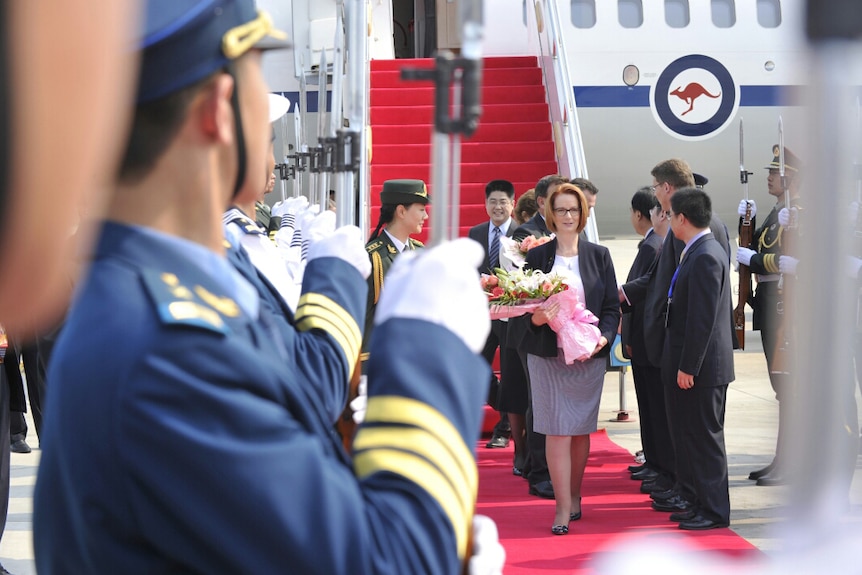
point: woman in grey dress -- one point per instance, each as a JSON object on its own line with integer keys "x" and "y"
{"x": 566, "y": 397}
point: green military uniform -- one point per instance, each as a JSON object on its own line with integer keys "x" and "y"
{"x": 382, "y": 251}
{"x": 262, "y": 214}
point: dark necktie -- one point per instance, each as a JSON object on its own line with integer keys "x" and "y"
{"x": 494, "y": 252}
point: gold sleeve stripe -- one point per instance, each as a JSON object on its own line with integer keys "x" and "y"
{"x": 425, "y": 476}
{"x": 377, "y": 273}
{"x": 770, "y": 262}
{"x": 425, "y": 445}
{"x": 405, "y": 411}
{"x": 318, "y": 311}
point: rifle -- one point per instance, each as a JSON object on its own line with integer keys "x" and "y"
{"x": 781, "y": 357}
{"x": 745, "y": 236}
{"x": 457, "y": 78}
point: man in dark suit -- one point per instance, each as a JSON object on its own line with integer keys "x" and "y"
{"x": 649, "y": 221}
{"x": 536, "y": 466}
{"x": 499, "y": 203}
{"x": 651, "y": 290}
{"x": 698, "y": 348}
{"x": 536, "y": 226}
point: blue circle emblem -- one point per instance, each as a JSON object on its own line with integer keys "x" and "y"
{"x": 694, "y": 98}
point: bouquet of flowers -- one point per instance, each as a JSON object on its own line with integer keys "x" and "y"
{"x": 513, "y": 254}
{"x": 514, "y": 293}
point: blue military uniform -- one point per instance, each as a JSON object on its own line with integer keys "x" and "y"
{"x": 193, "y": 416}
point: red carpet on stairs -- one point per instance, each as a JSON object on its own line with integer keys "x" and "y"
{"x": 615, "y": 514}
{"x": 514, "y": 140}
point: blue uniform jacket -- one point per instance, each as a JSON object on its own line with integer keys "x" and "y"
{"x": 178, "y": 439}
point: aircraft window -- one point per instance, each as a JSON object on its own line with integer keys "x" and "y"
{"x": 676, "y": 13}
{"x": 723, "y": 13}
{"x": 631, "y": 13}
{"x": 584, "y": 13}
{"x": 769, "y": 13}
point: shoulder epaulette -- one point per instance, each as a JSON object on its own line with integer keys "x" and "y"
{"x": 180, "y": 304}
{"x": 417, "y": 243}
{"x": 373, "y": 246}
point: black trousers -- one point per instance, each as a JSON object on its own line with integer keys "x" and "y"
{"x": 536, "y": 467}
{"x": 655, "y": 434}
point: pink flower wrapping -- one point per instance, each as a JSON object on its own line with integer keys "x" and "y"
{"x": 575, "y": 326}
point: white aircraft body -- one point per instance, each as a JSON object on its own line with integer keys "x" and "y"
{"x": 652, "y": 80}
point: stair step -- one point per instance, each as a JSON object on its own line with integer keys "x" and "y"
{"x": 490, "y": 62}
{"x": 490, "y": 77}
{"x": 499, "y": 132}
{"x": 512, "y": 171}
{"x": 492, "y": 113}
{"x": 423, "y": 95}
{"x": 471, "y": 152}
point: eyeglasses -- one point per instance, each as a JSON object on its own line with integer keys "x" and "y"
{"x": 653, "y": 188}
{"x": 494, "y": 202}
{"x": 560, "y": 212}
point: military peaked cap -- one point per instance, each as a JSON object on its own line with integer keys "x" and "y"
{"x": 791, "y": 162}
{"x": 404, "y": 192}
{"x": 184, "y": 41}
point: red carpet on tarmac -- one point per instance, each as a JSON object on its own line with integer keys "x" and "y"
{"x": 614, "y": 512}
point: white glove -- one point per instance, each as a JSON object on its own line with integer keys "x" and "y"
{"x": 742, "y": 208}
{"x": 303, "y": 221}
{"x": 359, "y": 404}
{"x": 787, "y": 217}
{"x": 743, "y": 255}
{"x": 853, "y": 212}
{"x": 439, "y": 285}
{"x": 290, "y": 206}
{"x": 787, "y": 265}
{"x": 488, "y": 555}
{"x": 345, "y": 243}
{"x": 854, "y": 264}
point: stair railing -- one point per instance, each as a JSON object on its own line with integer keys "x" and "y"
{"x": 544, "y": 21}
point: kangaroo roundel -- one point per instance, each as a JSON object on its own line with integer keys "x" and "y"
{"x": 694, "y": 98}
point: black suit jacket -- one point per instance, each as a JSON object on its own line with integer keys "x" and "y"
{"x": 600, "y": 289}
{"x": 633, "y": 321}
{"x": 698, "y": 333}
{"x": 535, "y": 226}
{"x": 479, "y": 233}
{"x": 651, "y": 289}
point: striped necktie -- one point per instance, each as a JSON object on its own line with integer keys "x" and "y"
{"x": 494, "y": 252}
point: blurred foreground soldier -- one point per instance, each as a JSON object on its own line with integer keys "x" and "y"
{"x": 206, "y": 451}
{"x": 768, "y": 245}
{"x": 53, "y": 44}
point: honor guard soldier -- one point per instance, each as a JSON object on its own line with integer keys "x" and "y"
{"x": 769, "y": 243}
{"x": 402, "y": 213}
{"x": 206, "y": 450}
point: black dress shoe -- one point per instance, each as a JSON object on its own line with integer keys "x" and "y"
{"x": 644, "y": 474}
{"x": 517, "y": 471}
{"x": 497, "y": 441}
{"x": 700, "y": 523}
{"x": 755, "y": 475}
{"x": 654, "y": 486}
{"x": 542, "y": 489}
{"x": 772, "y": 479}
{"x": 683, "y": 515}
{"x": 673, "y": 504}
{"x": 20, "y": 446}
{"x": 635, "y": 468}
{"x": 663, "y": 495}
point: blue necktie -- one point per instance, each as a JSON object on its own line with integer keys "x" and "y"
{"x": 494, "y": 252}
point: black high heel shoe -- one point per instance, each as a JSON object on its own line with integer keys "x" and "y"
{"x": 560, "y": 529}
